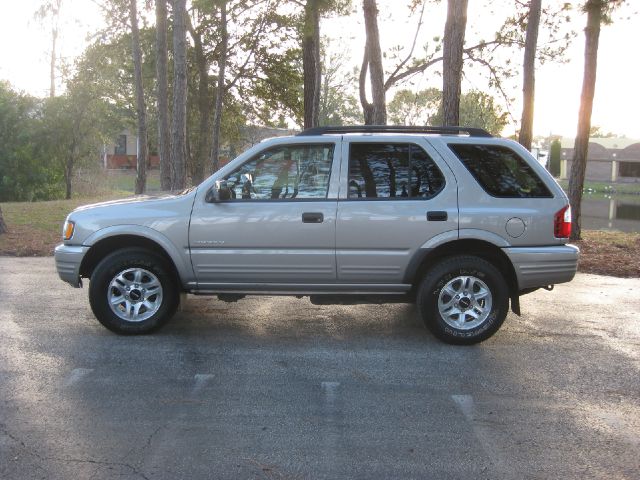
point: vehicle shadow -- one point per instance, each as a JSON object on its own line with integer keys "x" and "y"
{"x": 286, "y": 318}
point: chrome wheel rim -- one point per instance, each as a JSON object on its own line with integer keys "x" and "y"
{"x": 134, "y": 295}
{"x": 465, "y": 302}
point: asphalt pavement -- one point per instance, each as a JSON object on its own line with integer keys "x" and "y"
{"x": 277, "y": 388}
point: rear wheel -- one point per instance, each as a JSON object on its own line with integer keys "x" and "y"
{"x": 132, "y": 291}
{"x": 463, "y": 300}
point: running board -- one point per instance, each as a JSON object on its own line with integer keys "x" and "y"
{"x": 297, "y": 289}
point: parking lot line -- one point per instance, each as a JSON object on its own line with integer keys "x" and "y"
{"x": 201, "y": 380}
{"x": 76, "y": 375}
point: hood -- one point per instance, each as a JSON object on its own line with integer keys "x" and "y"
{"x": 163, "y": 213}
{"x": 136, "y": 200}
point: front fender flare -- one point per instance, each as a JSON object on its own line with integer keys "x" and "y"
{"x": 179, "y": 257}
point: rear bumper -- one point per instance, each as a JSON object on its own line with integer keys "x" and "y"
{"x": 68, "y": 260}
{"x": 541, "y": 266}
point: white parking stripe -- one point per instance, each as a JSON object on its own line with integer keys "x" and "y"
{"x": 329, "y": 389}
{"x": 76, "y": 375}
{"x": 465, "y": 404}
{"x": 201, "y": 380}
{"x": 484, "y": 436}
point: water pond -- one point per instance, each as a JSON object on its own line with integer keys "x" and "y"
{"x": 611, "y": 213}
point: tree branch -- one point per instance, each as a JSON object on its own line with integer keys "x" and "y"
{"x": 393, "y": 79}
{"x": 413, "y": 45}
{"x": 110, "y": 14}
{"x": 493, "y": 72}
{"x": 362, "y": 81}
{"x": 242, "y": 70}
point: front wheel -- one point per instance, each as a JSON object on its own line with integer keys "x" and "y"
{"x": 132, "y": 291}
{"x": 463, "y": 300}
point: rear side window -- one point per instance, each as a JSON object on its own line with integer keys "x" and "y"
{"x": 392, "y": 170}
{"x": 500, "y": 171}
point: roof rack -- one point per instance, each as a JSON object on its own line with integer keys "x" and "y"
{"x": 470, "y": 131}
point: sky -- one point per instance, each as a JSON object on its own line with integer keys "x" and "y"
{"x": 24, "y": 57}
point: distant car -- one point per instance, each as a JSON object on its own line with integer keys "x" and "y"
{"x": 450, "y": 218}
{"x": 541, "y": 155}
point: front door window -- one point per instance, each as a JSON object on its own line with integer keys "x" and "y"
{"x": 284, "y": 173}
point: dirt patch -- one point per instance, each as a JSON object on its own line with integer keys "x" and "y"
{"x": 610, "y": 253}
{"x": 25, "y": 241}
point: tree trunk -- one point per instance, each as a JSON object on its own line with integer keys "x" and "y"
{"x": 375, "y": 113}
{"x": 55, "y": 6}
{"x": 68, "y": 173}
{"x": 594, "y": 10}
{"x": 367, "y": 107}
{"x": 141, "y": 112}
{"x": 164, "y": 144}
{"x": 179, "y": 120}
{"x": 52, "y": 74}
{"x": 202, "y": 146}
{"x": 453, "y": 44}
{"x": 529, "y": 73}
{"x": 311, "y": 64}
{"x": 3, "y": 226}
{"x": 220, "y": 90}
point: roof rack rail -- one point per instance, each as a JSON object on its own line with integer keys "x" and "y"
{"x": 470, "y": 131}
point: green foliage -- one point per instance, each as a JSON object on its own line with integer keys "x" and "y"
{"x": 338, "y": 104}
{"x": 26, "y": 171}
{"x": 607, "y": 7}
{"x": 75, "y": 126}
{"x": 554, "y": 157}
{"x": 597, "y": 132}
{"x": 555, "y": 33}
{"x": 107, "y": 64}
{"x": 43, "y": 142}
{"x": 264, "y": 64}
{"x": 265, "y": 61}
{"x": 414, "y": 108}
{"x": 277, "y": 88}
{"x": 477, "y": 109}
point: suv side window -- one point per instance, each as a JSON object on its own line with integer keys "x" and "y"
{"x": 392, "y": 170}
{"x": 500, "y": 171}
{"x": 284, "y": 172}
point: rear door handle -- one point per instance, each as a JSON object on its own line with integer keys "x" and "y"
{"x": 312, "y": 217}
{"x": 437, "y": 216}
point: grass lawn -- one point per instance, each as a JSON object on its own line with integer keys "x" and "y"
{"x": 35, "y": 229}
{"x": 624, "y": 191}
{"x": 125, "y": 180}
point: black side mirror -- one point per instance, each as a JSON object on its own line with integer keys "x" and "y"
{"x": 220, "y": 192}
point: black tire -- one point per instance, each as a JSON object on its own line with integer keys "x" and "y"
{"x": 445, "y": 279}
{"x": 124, "y": 264}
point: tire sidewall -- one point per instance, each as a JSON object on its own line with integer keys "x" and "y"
{"x": 117, "y": 262}
{"x": 440, "y": 276}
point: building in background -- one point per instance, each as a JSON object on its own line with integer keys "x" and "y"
{"x": 123, "y": 154}
{"x": 609, "y": 159}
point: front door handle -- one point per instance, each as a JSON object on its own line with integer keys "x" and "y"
{"x": 312, "y": 217}
{"x": 437, "y": 216}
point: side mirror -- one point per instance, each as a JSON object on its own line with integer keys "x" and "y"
{"x": 220, "y": 192}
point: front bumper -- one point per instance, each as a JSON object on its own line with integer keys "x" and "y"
{"x": 68, "y": 260}
{"x": 542, "y": 266}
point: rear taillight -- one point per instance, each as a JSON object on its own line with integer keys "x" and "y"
{"x": 562, "y": 223}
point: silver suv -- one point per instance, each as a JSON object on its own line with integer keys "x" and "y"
{"x": 450, "y": 218}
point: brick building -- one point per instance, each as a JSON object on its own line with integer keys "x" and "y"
{"x": 123, "y": 154}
